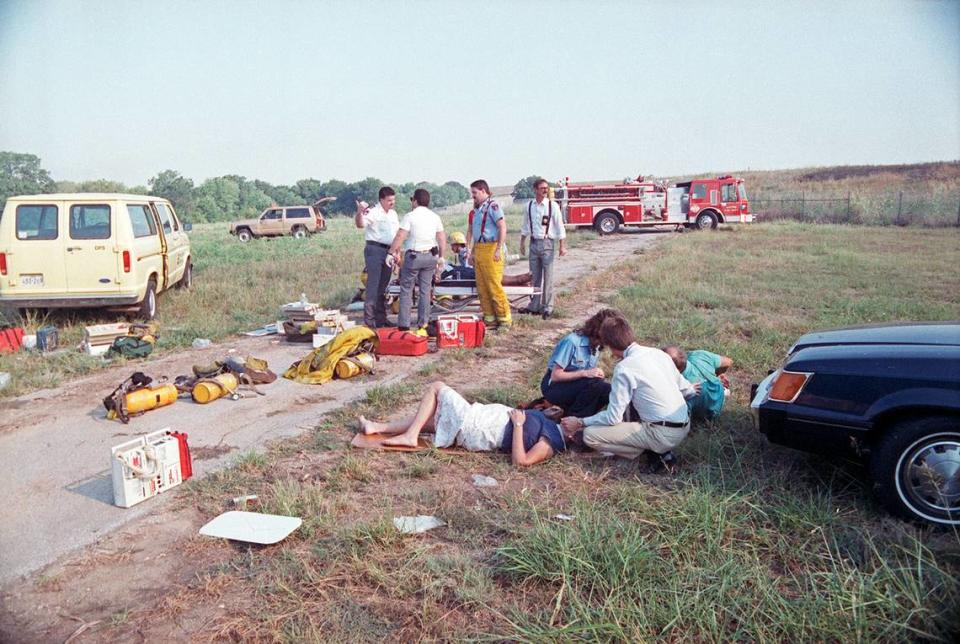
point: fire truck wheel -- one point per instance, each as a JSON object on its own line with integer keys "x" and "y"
{"x": 706, "y": 220}
{"x": 607, "y": 223}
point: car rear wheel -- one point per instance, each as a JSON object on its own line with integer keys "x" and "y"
{"x": 244, "y": 235}
{"x": 607, "y": 223}
{"x": 148, "y": 306}
{"x": 916, "y": 470}
{"x": 299, "y": 232}
{"x": 187, "y": 280}
{"x": 706, "y": 220}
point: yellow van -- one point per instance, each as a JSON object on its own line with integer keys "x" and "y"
{"x": 91, "y": 250}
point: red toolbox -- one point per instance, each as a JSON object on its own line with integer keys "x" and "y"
{"x": 394, "y": 342}
{"x": 460, "y": 330}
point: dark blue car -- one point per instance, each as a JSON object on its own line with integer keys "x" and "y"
{"x": 889, "y": 394}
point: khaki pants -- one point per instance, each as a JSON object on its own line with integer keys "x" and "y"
{"x": 631, "y": 439}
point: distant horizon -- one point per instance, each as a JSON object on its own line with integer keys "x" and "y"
{"x": 466, "y": 182}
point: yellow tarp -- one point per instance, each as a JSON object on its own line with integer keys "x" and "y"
{"x": 318, "y": 365}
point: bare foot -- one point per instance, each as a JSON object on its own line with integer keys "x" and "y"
{"x": 402, "y": 440}
{"x": 368, "y": 426}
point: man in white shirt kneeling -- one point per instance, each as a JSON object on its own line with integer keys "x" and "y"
{"x": 647, "y": 379}
{"x": 421, "y": 260}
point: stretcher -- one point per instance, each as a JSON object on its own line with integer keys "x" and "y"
{"x": 455, "y": 296}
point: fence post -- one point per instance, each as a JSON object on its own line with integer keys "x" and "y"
{"x": 803, "y": 204}
{"x": 958, "y": 214}
{"x": 848, "y": 208}
{"x": 899, "y": 207}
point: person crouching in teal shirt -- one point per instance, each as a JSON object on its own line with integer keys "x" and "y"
{"x": 709, "y": 369}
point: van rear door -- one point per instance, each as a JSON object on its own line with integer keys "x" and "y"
{"x": 34, "y": 250}
{"x": 93, "y": 266}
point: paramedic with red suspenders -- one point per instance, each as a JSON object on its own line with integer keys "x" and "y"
{"x": 543, "y": 224}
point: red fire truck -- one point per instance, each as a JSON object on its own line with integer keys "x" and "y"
{"x": 698, "y": 203}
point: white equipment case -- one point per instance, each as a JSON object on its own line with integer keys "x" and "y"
{"x": 146, "y": 466}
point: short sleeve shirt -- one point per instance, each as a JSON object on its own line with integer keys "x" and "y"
{"x": 491, "y": 212}
{"x": 535, "y": 427}
{"x": 380, "y": 225}
{"x": 573, "y": 353}
{"x": 702, "y": 368}
{"x": 423, "y": 225}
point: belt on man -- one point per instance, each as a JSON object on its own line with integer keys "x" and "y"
{"x": 668, "y": 423}
{"x": 386, "y": 246}
{"x": 433, "y": 251}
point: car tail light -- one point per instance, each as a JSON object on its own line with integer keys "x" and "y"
{"x": 3, "y": 263}
{"x": 126, "y": 261}
{"x": 788, "y": 385}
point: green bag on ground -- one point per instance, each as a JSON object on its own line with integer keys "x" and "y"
{"x": 130, "y": 346}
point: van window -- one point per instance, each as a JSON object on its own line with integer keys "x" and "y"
{"x": 141, "y": 220}
{"x": 165, "y": 219}
{"x": 273, "y": 214}
{"x": 90, "y": 221}
{"x": 37, "y": 222}
{"x": 298, "y": 213}
{"x": 700, "y": 191}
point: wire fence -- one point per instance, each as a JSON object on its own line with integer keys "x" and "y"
{"x": 884, "y": 209}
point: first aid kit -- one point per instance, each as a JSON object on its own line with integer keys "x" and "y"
{"x": 461, "y": 330}
{"x": 146, "y": 466}
{"x": 394, "y": 342}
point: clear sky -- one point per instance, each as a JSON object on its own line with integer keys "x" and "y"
{"x": 409, "y": 91}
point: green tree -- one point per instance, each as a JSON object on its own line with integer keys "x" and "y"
{"x": 523, "y": 189}
{"x": 21, "y": 174}
{"x": 108, "y": 185}
{"x": 309, "y": 190}
{"x": 172, "y": 185}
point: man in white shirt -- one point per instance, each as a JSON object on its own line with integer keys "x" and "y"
{"x": 652, "y": 385}
{"x": 543, "y": 224}
{"x": 380, "y": 225}
{"x": 421, "y": 260}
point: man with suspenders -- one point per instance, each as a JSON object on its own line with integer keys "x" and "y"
{"x": 543, "y": 224}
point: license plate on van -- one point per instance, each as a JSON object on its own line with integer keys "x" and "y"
{"x": 31, "y": 280}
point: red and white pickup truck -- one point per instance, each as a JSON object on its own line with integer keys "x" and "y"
{"x": 698, "y": 203}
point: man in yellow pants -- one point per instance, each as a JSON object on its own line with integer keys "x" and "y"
{"x": 486, "y": 237}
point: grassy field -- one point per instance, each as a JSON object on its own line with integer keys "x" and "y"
{"x": 749, "y": 542}
{"x": 237, "y": 287}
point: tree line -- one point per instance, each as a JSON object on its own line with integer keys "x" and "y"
{"x": 222, "y": 198}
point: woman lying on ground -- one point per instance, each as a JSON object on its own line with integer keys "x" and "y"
{"x": 573, "y": 380}
{"x": 529, "y": 437}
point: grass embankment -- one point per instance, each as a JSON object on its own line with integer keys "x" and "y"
{"x": 749, "y": 542}
{"x": 931, "y": 194}
{"x": 237, "y": 287}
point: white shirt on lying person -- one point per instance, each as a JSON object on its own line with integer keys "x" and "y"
{"x": 648, "y": 378}
{"x": 532, "y": 224}
{"x": 422, "y": 224}
{"x": 380, "y": 225}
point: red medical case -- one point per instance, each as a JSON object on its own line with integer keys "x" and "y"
{"x": 394, "y": 342}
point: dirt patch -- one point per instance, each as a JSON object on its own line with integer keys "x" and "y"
{"x": 206, "y": 453}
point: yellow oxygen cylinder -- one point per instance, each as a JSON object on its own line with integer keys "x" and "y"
{"x": 207, "y": 391}
{"x": 347, "y": 368}
{"x": 143, "y": 400}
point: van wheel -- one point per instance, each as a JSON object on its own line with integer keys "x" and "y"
{"x": 244, "y": 235}
{"x": 916, "y": 470}
{"x": 186, "y": 282}
{"x": 299, "y": 232}
{"x": 607, "y": 223}
{"x": 706, "y": 220}
{"x": 148, "y": 306}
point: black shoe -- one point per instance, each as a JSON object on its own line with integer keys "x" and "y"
{"x": 653, "y": 463}
{"x": 527, "y": 311}
{"x": 547, "y": 315}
